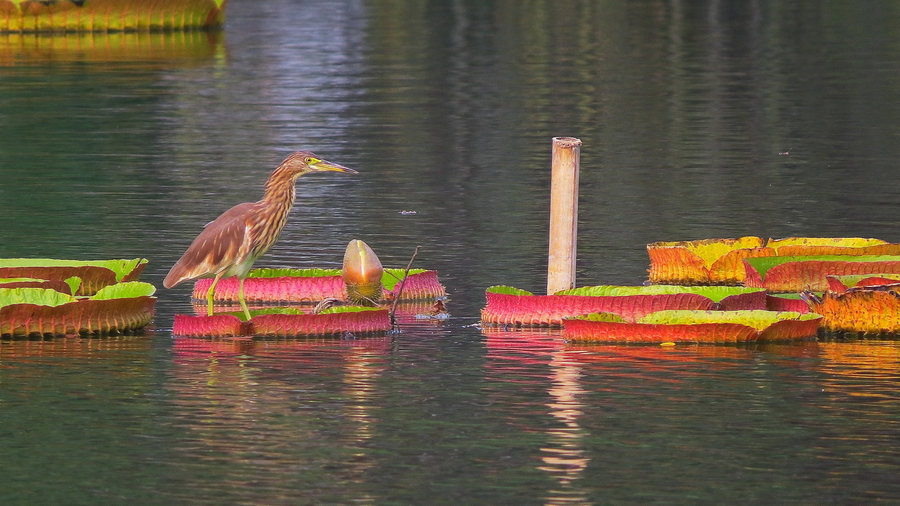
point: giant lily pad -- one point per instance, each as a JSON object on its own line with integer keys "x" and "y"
{"x": 290, "y": 322}
{"x": 702, "y": 262}
{"x": 843, "y": 283}
{"x": 511, "y": 306}
{"x": 94, "y": 274}
{"x": 786, "y": 302}
{"x": 119, "y": 308}
{"x": 309, "y": 286}
{"x": 108, "y": 16}
{"x": 720, "y": 261}
{"x": 859, "y": 310}
{"x": 813, "y": 246}
{"x": 794, "y": 274}
{"x": 693, "y": 326}
{"x": 51, "y": 284}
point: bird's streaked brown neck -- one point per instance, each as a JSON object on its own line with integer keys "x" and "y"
{"x": 280, "y": 188}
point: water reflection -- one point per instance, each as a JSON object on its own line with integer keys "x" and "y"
{"x": 269, "y": 410}
{"x": 169, "y": 48}
{"x": 566, "y": 458}
{"x": 563, "y": 456}
{"x": 16, "y": 350}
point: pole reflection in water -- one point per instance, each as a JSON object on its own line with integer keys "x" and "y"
{"x": 565, "y": 456}
{"x": 269, "y": 406}
{"x": 510, "y": 353}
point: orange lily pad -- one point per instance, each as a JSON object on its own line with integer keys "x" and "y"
{"x": 859, "y": 310}
{"x": 720, "y": 261}
{"x": 510, "y": 306}
{"x": 703, "y": 262}
{"x": 694, "y": 327}
{"x": 290, "y": 323}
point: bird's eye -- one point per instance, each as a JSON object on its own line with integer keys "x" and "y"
{"x": 310, "y": 160}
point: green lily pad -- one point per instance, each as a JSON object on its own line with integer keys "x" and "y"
{"x": 125, "y": 290}
{"x": 714, "y": 293}
{"x": 36, "y": 296}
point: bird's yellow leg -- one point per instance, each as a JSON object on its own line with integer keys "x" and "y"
{"x": 243, "y": 301}
{"x": 210, "y": 295}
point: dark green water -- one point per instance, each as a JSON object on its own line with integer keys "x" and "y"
{"x": 699, "y": 119}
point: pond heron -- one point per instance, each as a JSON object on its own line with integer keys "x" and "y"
{"x": 229, "y": 245}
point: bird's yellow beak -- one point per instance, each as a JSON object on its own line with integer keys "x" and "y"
{"x": 318, "y": 165}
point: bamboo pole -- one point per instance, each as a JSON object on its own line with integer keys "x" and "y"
{"x": 566, "y": 155}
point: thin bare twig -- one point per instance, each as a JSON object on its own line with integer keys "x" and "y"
{"x": 400, "y": 289}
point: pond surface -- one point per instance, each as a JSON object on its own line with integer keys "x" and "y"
{"x": 699, "y": 120}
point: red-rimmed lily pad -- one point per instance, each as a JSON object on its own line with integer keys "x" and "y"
{"x": 794, "y": 274}
{"x": 843, "y": 283}
{"x": 286, "y": 322}
{"x": 94, "y": 274}
{"x": 120, "y": 308}
{"x": 512, "y": 306}
{"x": 693, "y": 327}
{"x": 867, "y": 311}
{"x": 50, "y": 284}
{"x": 786, "y": 302}
{"x": 310, "y": 286}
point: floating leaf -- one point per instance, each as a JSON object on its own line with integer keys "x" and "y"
{"x": 756, "y": 319}
{"x": 50, "y": 284}
{"x": 293, "y": 273}
{"x": 715, "y": 293}
{"x": 720, "y": 261}
{"x": 74, "y": 283}
{"x": 293, "y": 289}
{"x": 345, "y": 319}
{"x": 601, "y": 317}
{"x": 363, "y": 321}
{"x": 793, "y": 273}
{"x": 80, "y": 316}
{"x": 36, "y": 296}
{"x": 842, "y": 283}
{"x": 122, "y": 307}
{"x": 118, "y": 16}
{"x": 348, "y": 309}
{"x": 786, "y": 302}
{"x": 298, "y": 288}
{"x": 392, "y": 277}
{"x": 507, "y": 290}
{"x": 510, "y": 306}
{"x": 696, "y": 326}
{"x": 853, "y": 246}
{"x": 865, "y": 311}
{"x": 219, "y": 325}
{"x": 125, "y": 290}
{"x": 94, "y": 274}
{"x": 702, "y": 262}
